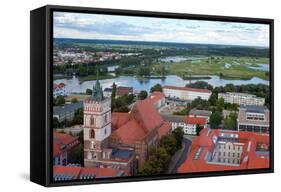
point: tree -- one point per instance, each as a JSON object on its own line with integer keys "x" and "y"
{"x": 213, "y": 99}
{"x": 220, "y": 104}
{"x": 74, "y": 100}
{"x": 169, "y": 143}
{"x": 142, "y": 95}
{"x": 56, "y": 122}
{"x": 230, "y": 122}
{"x": 200, "y": 84}
{"x": 114, "y": 88}
{"x": 156, "y": 87}
{"x": 144, "y": 71}
{"x": 89, "y": 91}
{"x": 215, "y": 119}
{"x": 198, "y": 128}
{"x": 178, "y": 134}
{"x": 60, "y": 100}
{"x": 76, "y": 155}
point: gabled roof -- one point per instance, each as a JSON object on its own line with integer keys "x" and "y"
{"x": 141, "y": 121}
{"x": 195, "y": 120}
{"x": 61, "y": 141}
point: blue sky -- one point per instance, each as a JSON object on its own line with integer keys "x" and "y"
{"x": 98, "y": 26}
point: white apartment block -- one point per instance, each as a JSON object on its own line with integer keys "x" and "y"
{"x": 241, "y": 98}
{"x": 186, "y": 93}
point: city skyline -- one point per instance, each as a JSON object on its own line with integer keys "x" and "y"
{"x": 132, "y": 28}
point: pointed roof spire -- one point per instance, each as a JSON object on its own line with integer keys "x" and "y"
{"x": 97, "y": 89}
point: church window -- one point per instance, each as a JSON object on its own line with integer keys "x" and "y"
{"x": 89, "y": 155}
{"x": 105, "y": 131}
{"x": 105, "y": 118}
{"x": 92, "y": 133}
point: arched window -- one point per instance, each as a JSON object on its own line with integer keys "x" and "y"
{"x": 92, "y": 133}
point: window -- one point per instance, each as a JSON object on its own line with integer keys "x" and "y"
{"x": 105, "y": 131}
{"x": 92, "y": 133}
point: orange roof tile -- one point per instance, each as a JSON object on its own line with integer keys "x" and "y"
{"x": 195, "y": 120}
{"x": 205, "y": 141}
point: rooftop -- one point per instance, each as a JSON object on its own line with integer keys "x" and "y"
{"x": 203, "y": 145}
{"x": 67, "y": 108}
{"x": 197, "y": 112}
{"x": 188, "y": 89}
{"x": 195, "y": 120}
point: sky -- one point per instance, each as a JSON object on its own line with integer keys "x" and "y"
{"x": 112, "y": 27}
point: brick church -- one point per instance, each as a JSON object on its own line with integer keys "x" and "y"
{"x": 120, "y": 140}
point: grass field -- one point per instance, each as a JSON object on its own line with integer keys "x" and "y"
{"x": 226, "y": 67}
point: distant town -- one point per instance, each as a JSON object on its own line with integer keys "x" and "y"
{"x": 118, "y": 130}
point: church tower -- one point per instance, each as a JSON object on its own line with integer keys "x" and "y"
{"x": 97, "y": 126}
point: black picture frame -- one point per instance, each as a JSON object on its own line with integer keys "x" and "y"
{"x": 41, "y": 40}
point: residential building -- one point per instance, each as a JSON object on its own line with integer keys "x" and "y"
{"x": 59, "y": 89}
{"x": 123, "y": 91}
{"x": 62, "y": 145}
{"x": 241, "y": 98}
{"x": 140, "y": 129}
{"x": 192, "y": 122}
{"x": 107, "y": 92}
{"x": 175, "y": 120}
{"x": 253, "y": 119}
{"x": 222, "y": 150}
{"x": 66, "y": 111}
{"x": 97, "y": 130}
{"x": 186, "y": 93}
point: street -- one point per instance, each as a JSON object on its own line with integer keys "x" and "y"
{"x": 180, "y": 156}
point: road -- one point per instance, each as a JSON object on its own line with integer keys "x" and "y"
{"x": 180, "y": 156}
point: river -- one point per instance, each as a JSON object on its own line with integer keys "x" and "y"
{"x": 73, "y": 85}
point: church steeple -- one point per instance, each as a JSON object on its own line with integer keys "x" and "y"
{"x": 97, "y": 90}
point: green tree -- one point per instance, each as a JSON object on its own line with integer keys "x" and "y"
{"x": 89, "y": 91}
{"x": 156, "y": 87}
{"x": 114, "y": 88}
{"x": 198, "y": 129}
{"x": 60, "y": 100}
{"x": 220, "y": 104}
{"x": 169, "y": 143}
{"x": 230, "y": 122}
{"x": 74, "y": 100}
{"x": 213, "y": 99}
{"x": 56, "y": 122}
{"x": 215, "y": 119}
{"x": 142, "y": 95}
{"x": 178, "y": 134}
{"x": 76, "y": 155}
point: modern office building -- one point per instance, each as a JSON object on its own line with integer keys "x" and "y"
{"x": 253, "y": 119}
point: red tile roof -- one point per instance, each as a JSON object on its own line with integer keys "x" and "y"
{"x": 205, "y": 141}
{"x": 57, "y": 86}
{"x": 195, "y": 120}
{"x": 60, "y": 140}
{"x": 143, "y": 119}
{"x": 77, "y": 171}
{"x": 119, "y": 119}
{"x": 156, "y": 96}
{"x": 123, "y": 90}
{"x": 58, "y": 169}
{"x": 165, "y": 129}
{"x": 188, "y": 89}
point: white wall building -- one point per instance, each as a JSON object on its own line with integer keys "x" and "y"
{"x": 186, "y": 93}
{"x": 241, "y": 98}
